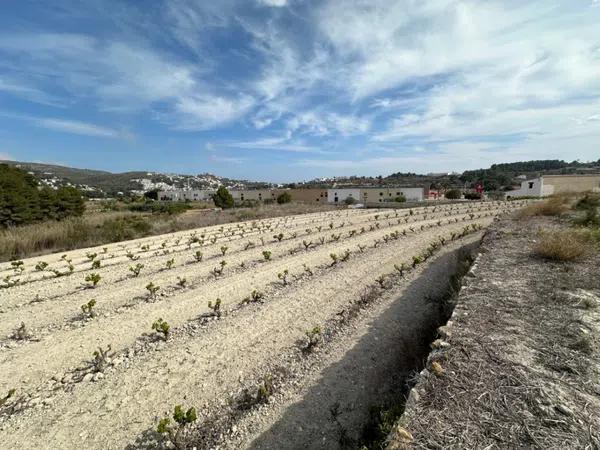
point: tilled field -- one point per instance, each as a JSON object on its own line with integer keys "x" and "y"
{"x": 275, "y": 279}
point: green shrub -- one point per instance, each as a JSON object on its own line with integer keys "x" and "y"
{"x": 313, "y": 338}
{"x": 93, "y": 279}
{"x": 222, "y": 198}
{"x": 101, "y": 359}
{"x": 472, "y": 196}
{"x": 162, "y": 328}
{"x": 453, "y": 194}
{"x": 169, "y": 208}
{"x": 267, "y": 255}
{"x": 176, "y": 434}
{"x": 216, "y": 307}
{"x": 41, "y": 266}
{"x": 589, "y": 201}
{"x": 125, "y": 228}
{"x": 283, "y": 276}
{"x": 284, "y": 197}
{"x": 88, "y": 309}
{"x": 135, "y": 270}
{"x": 152, "y": 290}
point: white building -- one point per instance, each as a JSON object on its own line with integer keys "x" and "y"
{"x": 375, "y": 194}
{"x": 554, "y": 184}
{"x": 339, "y": 195}
{"x": 183, "y": 195}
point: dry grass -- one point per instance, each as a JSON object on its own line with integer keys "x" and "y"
{"x": 561, "y": 246}
{"x": 98, "y": 228}
{"x": 555, "y": 206}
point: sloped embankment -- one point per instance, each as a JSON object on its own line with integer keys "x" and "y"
{"x": 517, "y": 366}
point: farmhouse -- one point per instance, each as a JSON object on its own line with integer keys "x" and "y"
{"x": 307, "y": 195}
{"x": 554, "y": 184}
{"x": 340, "y": 195}
{"x": 254, "y": 194}
{"x": 186, "y": 194}
{"x": 388, "y": 194}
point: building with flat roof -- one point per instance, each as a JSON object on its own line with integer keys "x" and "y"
{"x": 556, "y": 184}
{"x": 181, "y": 195}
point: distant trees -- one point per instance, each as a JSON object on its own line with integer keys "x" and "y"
{"x": 453, "y": 194}
{"x": 23, "y": 201}
{"x": 223, "y": 198}
{"x": 284, "y": 197}
{"x": 151, "y": 195}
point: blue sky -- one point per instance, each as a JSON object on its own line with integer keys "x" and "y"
{"x": 289, "y": 89}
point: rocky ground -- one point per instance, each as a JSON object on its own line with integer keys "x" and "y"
{"x": 518, "y": 364}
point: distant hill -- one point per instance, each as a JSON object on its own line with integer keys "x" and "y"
{"x": 502, "y": 176}
{"x": 497, "y": 177}
{"x": 98, "y": 183}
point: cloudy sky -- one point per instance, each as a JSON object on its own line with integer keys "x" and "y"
{"x": 295, "y": 89}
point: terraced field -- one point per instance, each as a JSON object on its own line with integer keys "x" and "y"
{"x": 275, "y": 279}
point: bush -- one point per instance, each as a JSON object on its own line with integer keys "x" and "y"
{"x": 284, "y": 197}
{"x": 400, "y": 198}
{"x": 453, "y": 194}
{"x": 551, "y": 207}
{"x": 125, "y": 228}
{"x": 561, "y": 246}
{"x": 472, "y": 195}
{"x": 161, "y": 327}
{"x": 349, "y": 201}
{"x": 169, "y": 208}
{"x": 177, "y": 434}
{"x": 222, "y": 198}
{"x": 589, "y": 201}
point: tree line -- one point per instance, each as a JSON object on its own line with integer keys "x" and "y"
{"x": 23, "y": 200}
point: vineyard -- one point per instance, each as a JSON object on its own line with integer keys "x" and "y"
{"x": 97, "y": 346}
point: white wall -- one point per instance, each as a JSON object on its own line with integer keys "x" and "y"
{"x": 181, "y": 195}
{"x": 342, "y": 194}
{"x": 415, "y": 194}
{"x": 534, "y": 187}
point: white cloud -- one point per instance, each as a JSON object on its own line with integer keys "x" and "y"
{"x": 76, "y": 127}
{"x": 226, "y": 159}
{"x": 274, "y": 3}
{"x": 322, "y": 124}
{"x": 207, "y": 111}
{"x": 443, "y": 75}
{"x": 277, "y": 144}
{"x": 70, "y": 126}
{"x": 127, "y": 78}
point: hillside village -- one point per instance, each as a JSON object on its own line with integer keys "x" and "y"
{"x": 496, "y": 180}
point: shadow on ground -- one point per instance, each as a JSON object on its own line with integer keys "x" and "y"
{"x": 334, "y": 413}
